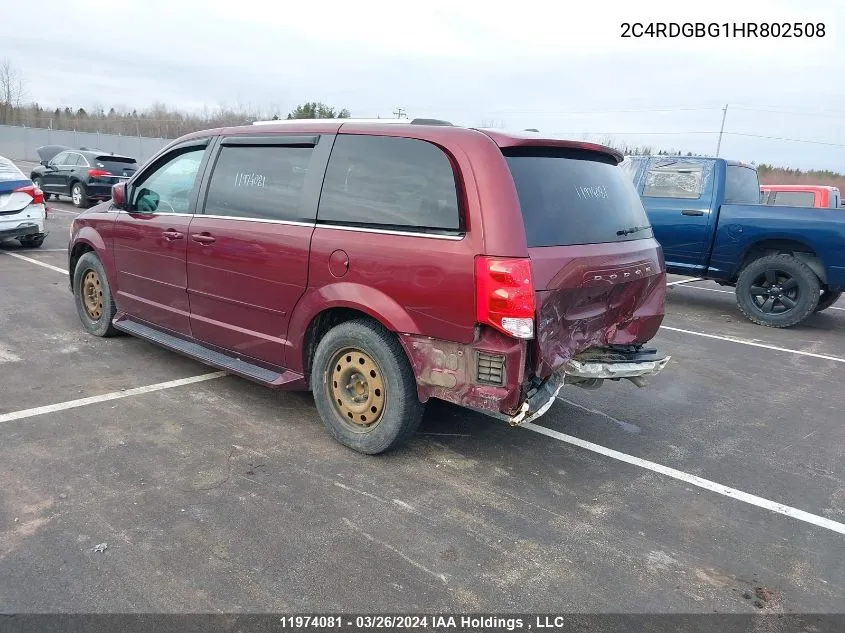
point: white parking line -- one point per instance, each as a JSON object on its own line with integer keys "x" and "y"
{"x": 114, "y": 395}
{"x": 35, "y": 261}
{"x": 754, "y": 344}
{"x": 55, "y": 210}
{"x": 730, "y": 292}
{"x": 694, "y": 480}
{"x": 684, "y": 281}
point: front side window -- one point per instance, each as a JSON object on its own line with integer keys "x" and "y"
{"x": 674, "y": 179}
{"x": 168, "y": 188}
{"x": 60, "y": 159}
{"x": 389, "y": 182}
{"x": 261, "y": 181}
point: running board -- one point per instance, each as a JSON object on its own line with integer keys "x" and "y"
{"x": 206, "y": 355}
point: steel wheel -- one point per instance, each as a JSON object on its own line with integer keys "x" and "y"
{"x": 775, "y": 292}
{"x": 92, "y": 295}
{"x": 357, "y": 389}
{"x": 76, "y": 195}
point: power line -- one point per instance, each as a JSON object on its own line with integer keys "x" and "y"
{"x": 614, "y": 111}
{"x": 774, "y": 138}
{"x": 776, "y": 110}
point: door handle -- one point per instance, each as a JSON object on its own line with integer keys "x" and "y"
{"x": 170, "y": 235}
{"x": 692, "y": 212}
{"x": 203, "y": 238}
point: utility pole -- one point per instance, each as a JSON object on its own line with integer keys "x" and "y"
{"x": 721, "y": 129}
{"x": 399, "y": 112}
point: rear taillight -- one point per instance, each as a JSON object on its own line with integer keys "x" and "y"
{"x": 98, "y": 173}
{"x": 34, "y": 192}
{"x": 505, "y": 295}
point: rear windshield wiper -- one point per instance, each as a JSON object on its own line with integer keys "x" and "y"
{"x": 633, "y": 229}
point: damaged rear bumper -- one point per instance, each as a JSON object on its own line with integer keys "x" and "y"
{"x": 589, "y": 371}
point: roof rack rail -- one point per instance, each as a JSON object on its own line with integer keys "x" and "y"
{"x": 350, "y": 120}
{"x": 430, "y": 122}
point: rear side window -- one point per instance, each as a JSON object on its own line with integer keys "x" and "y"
{"x": 389, "y": 182}
{"x": 263, "y": 182}
{"x": 674, "y": 179}
{"x": 74, "y": 159}
{"x": 575, "y": 197}
{"x": 794, "y": 198}
{"x": 742, "y": 186}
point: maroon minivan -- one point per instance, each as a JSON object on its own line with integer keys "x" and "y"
{"x": 381, "y": 264}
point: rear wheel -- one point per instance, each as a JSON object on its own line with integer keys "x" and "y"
{"x": 364, "y": 387}
{"x": 827, "y": 299}
{"x": 777, "y": 291}
{"x": 79, "y": 195}
{"x": 32, "y": 242}
{"x": 94, "y": 303}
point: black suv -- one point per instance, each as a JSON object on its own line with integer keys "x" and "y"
{"x": 85, "y": 175}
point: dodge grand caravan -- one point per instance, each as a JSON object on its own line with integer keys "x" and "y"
{"x": 381, "y": 264}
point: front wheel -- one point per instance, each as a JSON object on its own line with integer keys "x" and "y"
{"x": 364, "y": 387}
{"x": 94, "y": 302}
{"x": 38, "y": 182}
{"x": 777, "y": 291}
{"x": 827, "y": 299}
{"x": 79, "y": 196}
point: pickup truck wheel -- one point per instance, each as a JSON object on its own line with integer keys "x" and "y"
{"x": 827, "y": 299}
{"x": 364, "y": 387}
{"x": 94, "y": 302}
{"x": 777, "y": 291}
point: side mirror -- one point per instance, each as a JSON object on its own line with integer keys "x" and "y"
{"x": 45, "y": 163}
{"x": 146, "y": 201}
{"x": 118, "y": 195}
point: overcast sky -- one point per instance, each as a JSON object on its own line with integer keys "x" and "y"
{"x": 561, "y": 67}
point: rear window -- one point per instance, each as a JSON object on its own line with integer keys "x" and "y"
{"x": 118, "y": 165}
{"x": 390, "y": 182}
{"x": 794, "y": 198}
{"x": 262, "y": 181}
{"x": 575, "y": 197}
{"x": 8, "y": 171}
{"x": 742, "y": 185}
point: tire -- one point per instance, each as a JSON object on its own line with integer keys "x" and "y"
{"x": 827, "y": 299}
{"x": 777, "y": 291}
{"x": 96, "y": 318}
{"x": 38, "y": 182}
{"x": 79, "y": 196}
{"x": 395, "y": 410}
{"x": 34, "y": 242}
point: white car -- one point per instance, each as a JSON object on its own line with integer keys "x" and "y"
{"x": 23, "y": 214}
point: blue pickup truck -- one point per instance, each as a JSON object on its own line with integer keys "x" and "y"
{"x": 785, "y": 262}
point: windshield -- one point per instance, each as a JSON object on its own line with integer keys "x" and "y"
{"x": 575, "y": 197}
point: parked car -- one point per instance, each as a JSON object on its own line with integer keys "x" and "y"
{"x": 818, "y": 196}
{"x": 380, "y": 265}
{"x": 785, "y": 263}
{"x": 85, "y": 175}
{"x": 23, "y": 215}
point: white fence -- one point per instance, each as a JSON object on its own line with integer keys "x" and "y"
{"x": 20, "y": 143}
